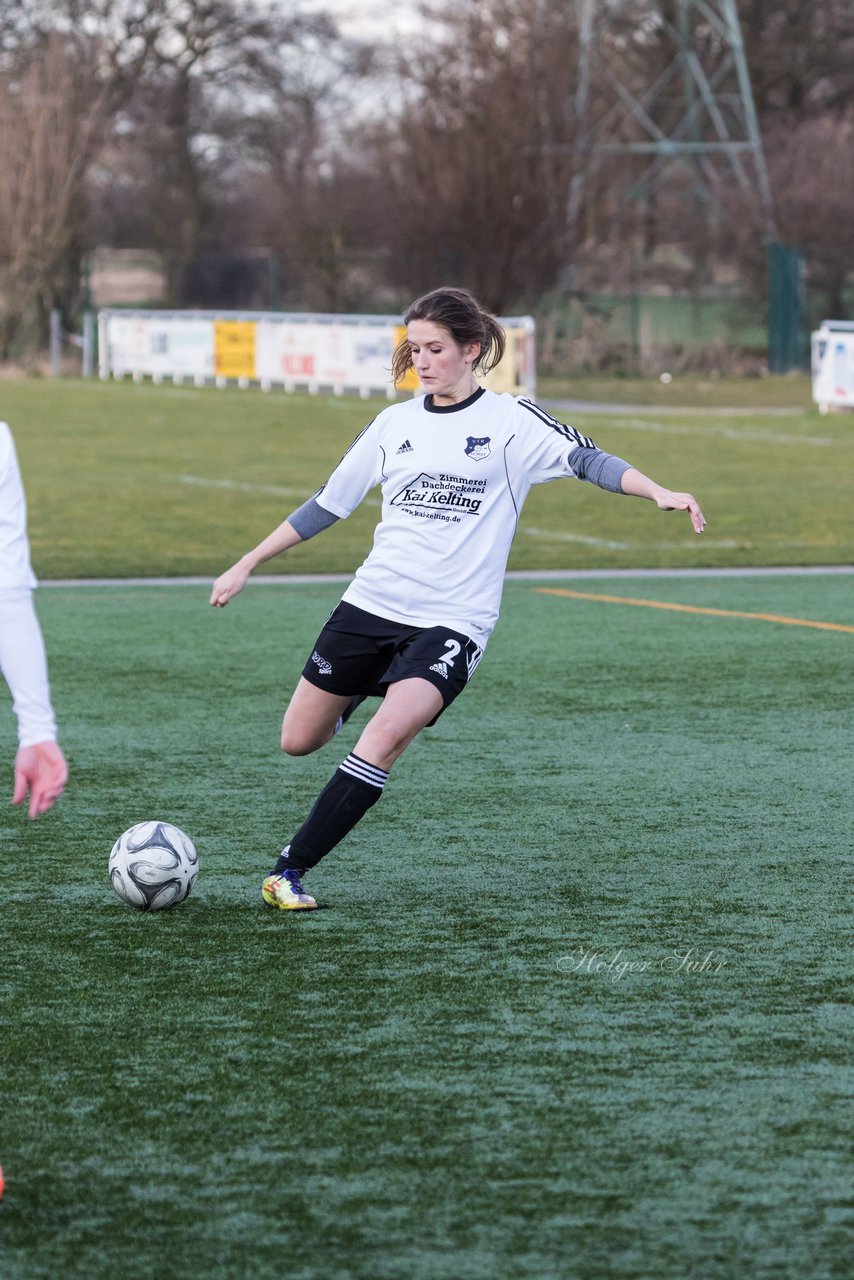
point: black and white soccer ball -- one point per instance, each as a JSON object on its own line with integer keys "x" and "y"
{"x": 153, "y": 865}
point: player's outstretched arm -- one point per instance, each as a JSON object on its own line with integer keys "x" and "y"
{"x": 638, "y": 485}
{"x": 41, "y": 773}
{"x": 232, "y": 582}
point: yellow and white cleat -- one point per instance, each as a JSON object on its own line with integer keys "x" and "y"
{"x": 285, "y": 891}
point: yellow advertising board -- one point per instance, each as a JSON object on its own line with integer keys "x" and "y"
{"x": 410, "y": 381}
{"x": 504, "y": 376}
{"x": 234, "y": 348}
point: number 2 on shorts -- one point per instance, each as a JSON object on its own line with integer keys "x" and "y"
{"x": 452, "y": 648}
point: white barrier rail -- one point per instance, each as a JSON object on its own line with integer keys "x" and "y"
{"x": 339, "y": 353}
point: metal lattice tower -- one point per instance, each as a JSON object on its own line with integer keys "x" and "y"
{"x": 689, "y": 124}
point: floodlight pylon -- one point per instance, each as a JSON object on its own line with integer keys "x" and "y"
{"x": 682, "y": 107}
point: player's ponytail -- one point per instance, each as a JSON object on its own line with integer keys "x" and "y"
{"x": 466, "y": 320}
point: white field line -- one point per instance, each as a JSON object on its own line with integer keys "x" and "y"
{"x": 243, "y": 486}
{"x": 562, "y": 535}
{"x": 609, "y": 408}
{"x": 247, "y": 486}
{"x": 753, "y": 434}
{"x": 520, "y": 575}
{"x": 727, "y": 544}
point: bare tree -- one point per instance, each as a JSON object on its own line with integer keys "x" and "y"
{"x": 801, "y": 55}
{"x": 192, "y": 126}
{"x": 65, "y": 70}
{"x": 816, "y": 204}
{"x": 473, "y": 162}
{"x": 52, "y": 121}
{"x": 134, "y": 108}
{"x": 218, "y": 148}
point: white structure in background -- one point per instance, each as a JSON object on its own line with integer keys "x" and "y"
{"x": 833, "y": 365}
{"x": 336, "y": 353}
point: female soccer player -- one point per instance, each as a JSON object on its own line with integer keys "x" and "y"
{"x": 455, "y": 466}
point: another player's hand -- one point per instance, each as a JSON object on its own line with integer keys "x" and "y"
{"x": 667, "y": 500}
{"x": 41, "y": 771}
{"x": 228, "y": 585}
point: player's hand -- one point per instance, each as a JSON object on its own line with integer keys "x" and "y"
{"x": 41, "y": 771}
{"x": 228, "y": 585}
{"x": 667, "y": 500}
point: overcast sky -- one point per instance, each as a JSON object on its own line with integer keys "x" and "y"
{"x": 370, "y": 18}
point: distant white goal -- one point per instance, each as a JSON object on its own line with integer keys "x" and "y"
{"x": 833, "y": 365}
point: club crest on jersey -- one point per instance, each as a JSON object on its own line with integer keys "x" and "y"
{"x": 477, "y": 448}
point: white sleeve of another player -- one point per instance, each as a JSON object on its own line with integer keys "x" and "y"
{"x": 357, "y": 473}
{"x": 24, "y": 666}
{"x": 15, "y": 569}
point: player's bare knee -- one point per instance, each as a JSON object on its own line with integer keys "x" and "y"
{"x": 383, "y": 743}
{"x": 297, "y": 743}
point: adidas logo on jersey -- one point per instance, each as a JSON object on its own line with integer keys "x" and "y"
{"x": 441, "y": 668}
{"x": 406, "y": 447}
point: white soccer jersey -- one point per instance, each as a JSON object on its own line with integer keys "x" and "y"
{"x": 454, "y": 479}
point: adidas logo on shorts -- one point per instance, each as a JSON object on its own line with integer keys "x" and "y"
{"x": 441, "y": 668}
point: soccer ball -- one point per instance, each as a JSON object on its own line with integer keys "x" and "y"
{"x": 153, "y": 866}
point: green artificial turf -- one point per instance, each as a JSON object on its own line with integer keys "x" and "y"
{"x": 577, "y": 1003}
{"x": 139, "y": 480}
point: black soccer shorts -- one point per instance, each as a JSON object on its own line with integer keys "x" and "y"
{"x": 359, "y": 652}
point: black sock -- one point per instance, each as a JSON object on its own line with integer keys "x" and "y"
{"x": 347, "y": 797}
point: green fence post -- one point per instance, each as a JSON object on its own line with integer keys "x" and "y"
{"x": 786, "y": 309}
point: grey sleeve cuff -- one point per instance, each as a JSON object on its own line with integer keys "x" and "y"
{"x": 311, "y": 518}
{"x": 603, "y": 469}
